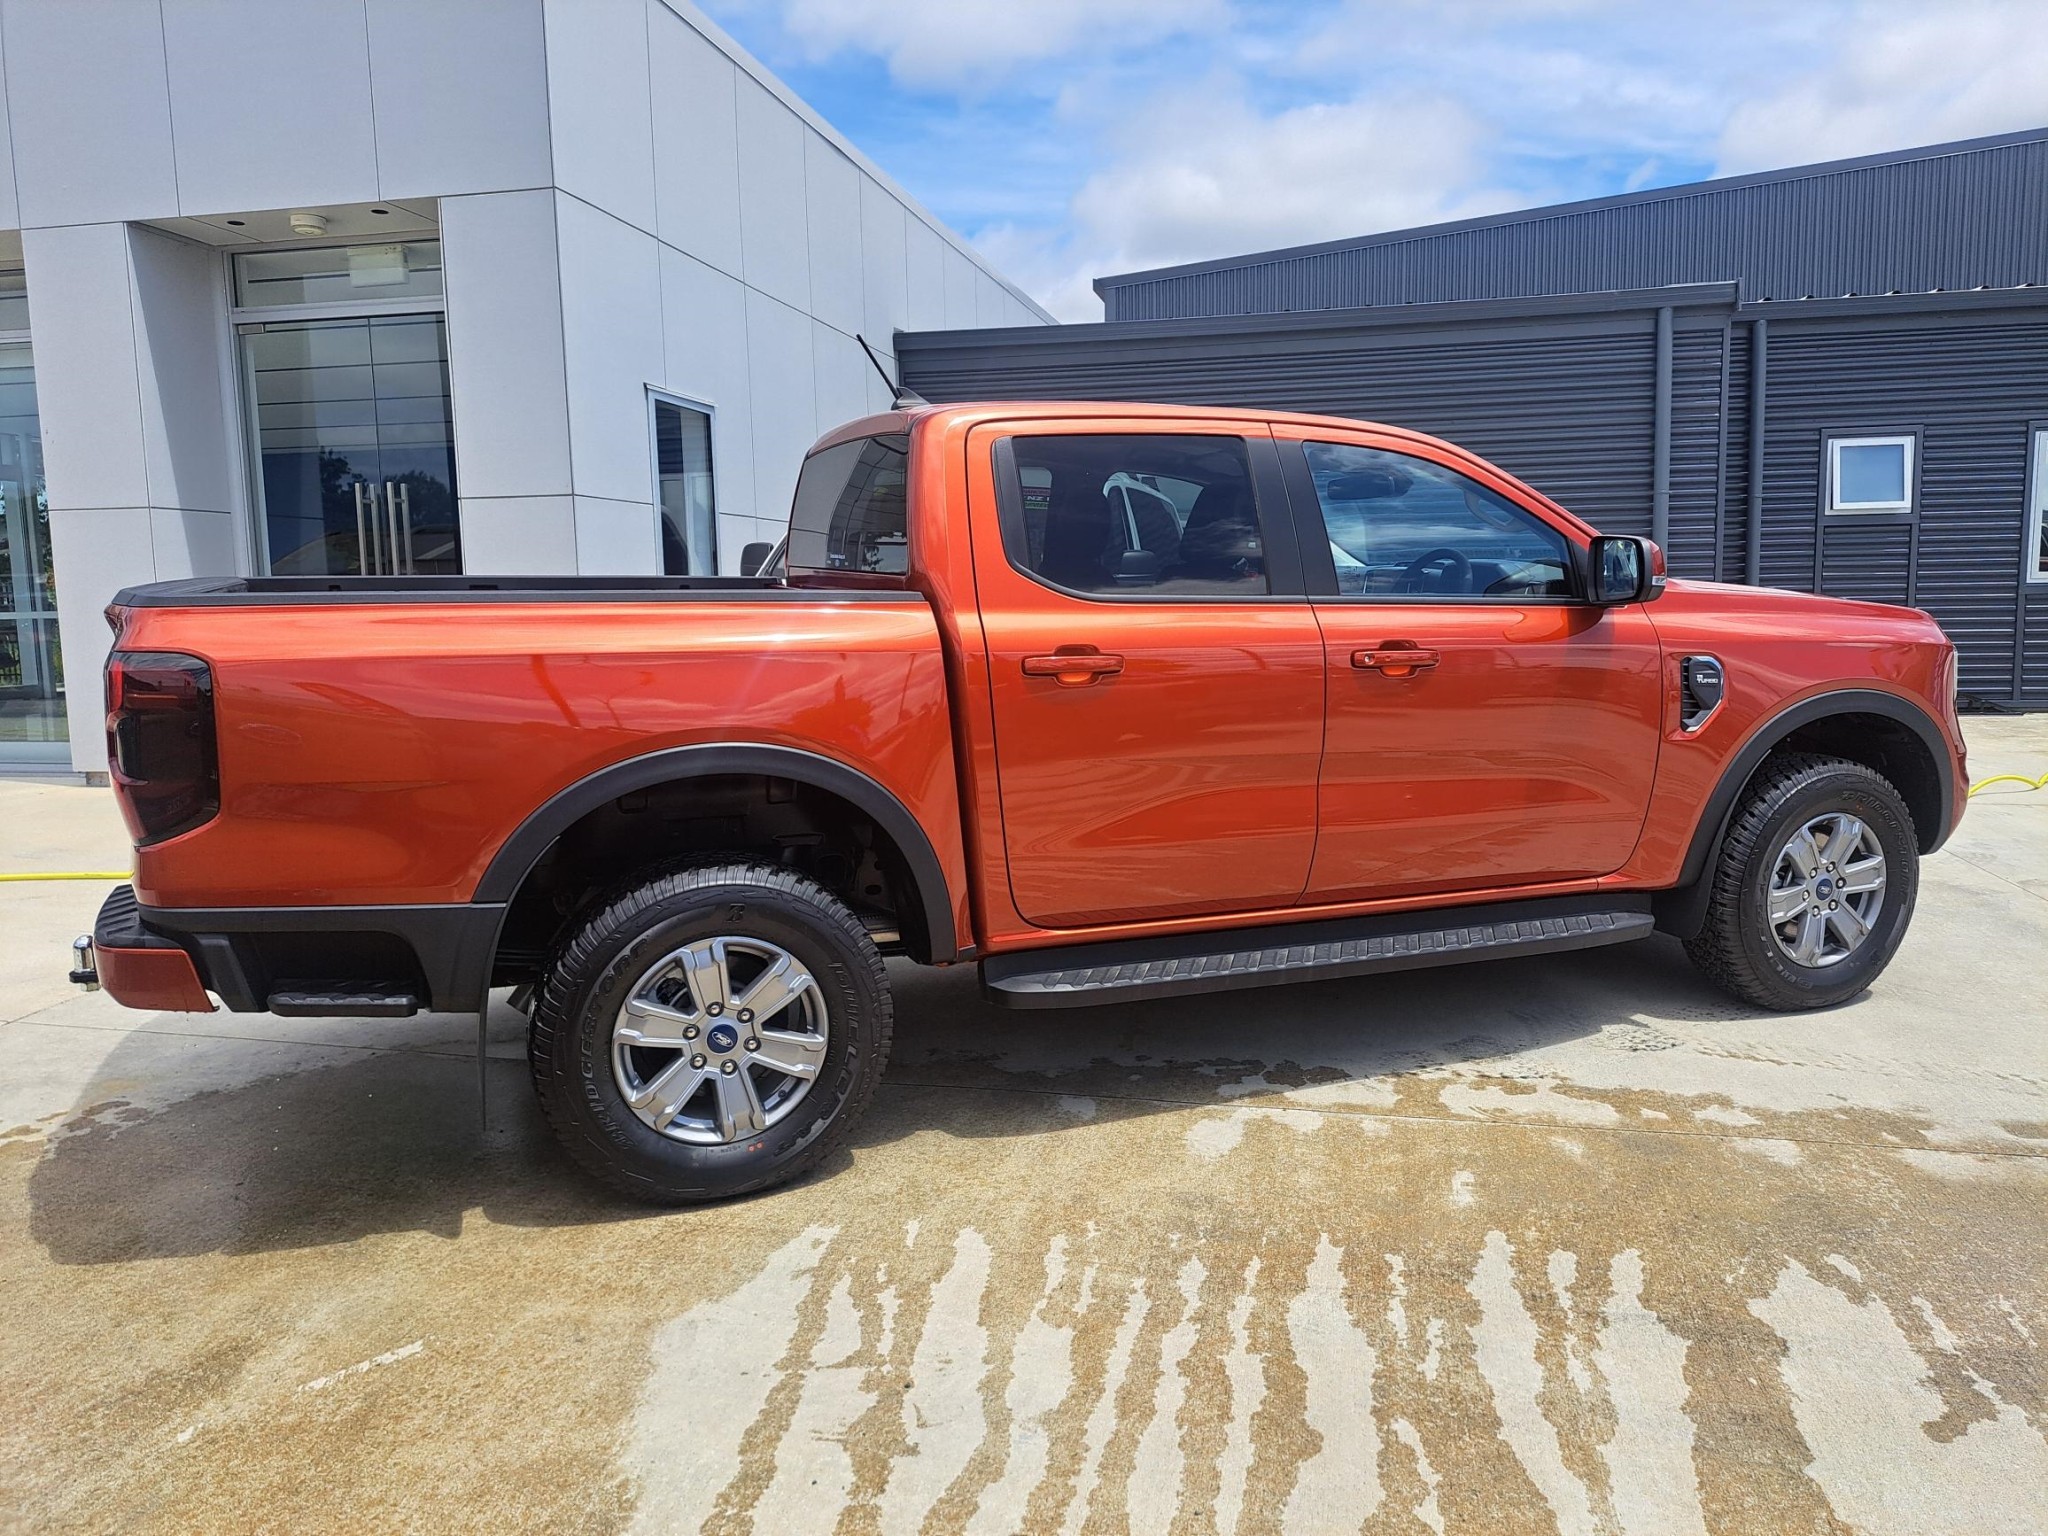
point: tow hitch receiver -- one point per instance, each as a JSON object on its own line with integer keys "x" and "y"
{"x": 85, "y": 970}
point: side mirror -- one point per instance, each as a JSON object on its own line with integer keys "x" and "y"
{"x": 753, "y": 557}
{"x": 1624, "y": 569}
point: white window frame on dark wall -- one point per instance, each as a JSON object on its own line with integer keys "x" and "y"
{"x": 2034, "y": 552}
{"x": 656, "y": 398}
{"x": 1908, "y": 441}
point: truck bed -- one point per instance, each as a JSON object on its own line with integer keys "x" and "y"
{"x": 380, "y": 739}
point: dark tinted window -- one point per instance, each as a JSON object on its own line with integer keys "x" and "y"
{"x": 1406, "y": 527}
{"x": 850, "y": 508}
{"x": 1144, "y": 514}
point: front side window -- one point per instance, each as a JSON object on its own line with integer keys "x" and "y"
{"x": 1400, "y": 526}
{"x": 851, "y": 511}
{"x": 1870, "y": 474}
{"x": 1133, "y": 515}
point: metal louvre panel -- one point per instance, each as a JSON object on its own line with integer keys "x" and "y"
{"x": 1870, "y": 561}
{"x": 1956, "y": 217}
{"x": 1970, "y": 386}
{"x": 1973, "y": 487}
{"x": 2034, "y": 668}
{"x": 1569, "y": 412}
{"x": 1735, "y": 472}
{"x": 1695, "y": 450}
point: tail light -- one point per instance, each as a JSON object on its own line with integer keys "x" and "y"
{"x": 161, "y": 747}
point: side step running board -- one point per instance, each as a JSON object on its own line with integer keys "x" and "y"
{"x": 1123, "y": 971}
{"x": 313, "y": 1000}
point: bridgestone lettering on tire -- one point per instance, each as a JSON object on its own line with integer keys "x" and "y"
{"x": 644, "y": 1065}
{"x": 1812, "y": 888}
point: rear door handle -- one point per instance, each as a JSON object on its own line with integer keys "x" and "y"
{"x": 1074, "y": 669}
{"x": 1394, "y": 661}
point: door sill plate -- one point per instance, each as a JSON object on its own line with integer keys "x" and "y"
{"x": 1082, "y": 976}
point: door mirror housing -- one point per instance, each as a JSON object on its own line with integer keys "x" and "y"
{"x": 753, "y": 557}
{"x": 1623, "y": 569}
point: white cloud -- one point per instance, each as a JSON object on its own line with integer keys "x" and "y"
{"x": 1897, "y": 76}
{"x": 1206, "y": 176}
{"x": 1195, "y": 173}
{"x": 971, "y": 43}
{"x": 1123, "y": 134}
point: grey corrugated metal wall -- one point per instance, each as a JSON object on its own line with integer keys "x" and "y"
{"x": 1565, "y": 399}
{"x": 1952, "y": 218}
{"x": 1969, "y": 386}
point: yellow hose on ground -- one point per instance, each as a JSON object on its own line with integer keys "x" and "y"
{"x": 2010, "y": 778}
{"x": 73, "y": 874}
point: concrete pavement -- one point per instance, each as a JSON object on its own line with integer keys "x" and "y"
{"x": 1571, "y": 1244}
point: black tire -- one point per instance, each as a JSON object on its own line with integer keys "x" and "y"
{"x": 1735, "y": 946}
{"x": 589, "y": 978}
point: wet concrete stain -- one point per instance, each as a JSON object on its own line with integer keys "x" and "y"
{"x": 1411, "y": 1292}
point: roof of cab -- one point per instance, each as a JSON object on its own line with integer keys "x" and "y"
{"x": 977, "y": 412}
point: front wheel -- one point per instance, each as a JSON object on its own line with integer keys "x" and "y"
{"x": 715, "y": 1030}
{"x": 1812, "y": 887}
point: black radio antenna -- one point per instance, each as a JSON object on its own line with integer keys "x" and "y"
{"x": 903, "y": 397}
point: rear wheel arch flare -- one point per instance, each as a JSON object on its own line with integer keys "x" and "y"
{"x": 520, "y": 853}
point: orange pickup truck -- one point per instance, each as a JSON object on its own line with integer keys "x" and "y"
{"x": 1116, "y": 701}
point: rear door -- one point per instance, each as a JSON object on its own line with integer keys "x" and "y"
{"x": 1488, "y": 728}
{"x": 1156, "y": 675}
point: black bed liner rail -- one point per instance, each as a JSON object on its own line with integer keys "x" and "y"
{"x": 279, "y": 591}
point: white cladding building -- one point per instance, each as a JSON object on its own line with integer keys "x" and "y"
{"x": 414, "y": 286}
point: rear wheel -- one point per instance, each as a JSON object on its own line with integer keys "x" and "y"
{"x": 1813, "y": 886}
{"x": 715, "y": 1030}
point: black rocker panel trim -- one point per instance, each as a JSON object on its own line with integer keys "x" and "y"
{"x": 523, "y": 849}
{"x": 1681, "y": 909}
{"x": 1086, "y": 975}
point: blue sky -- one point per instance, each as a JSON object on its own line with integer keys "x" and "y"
{"x": 1069, "y": 138}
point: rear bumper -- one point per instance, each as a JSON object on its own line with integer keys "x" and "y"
{"x": 140, "y": 969}
{"x": 344, "y": 961}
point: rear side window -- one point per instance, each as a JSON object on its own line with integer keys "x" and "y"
{"x": 851, "y": 510}
{"x": 1164, "y": 515}
{"x": 1400, "y": 526}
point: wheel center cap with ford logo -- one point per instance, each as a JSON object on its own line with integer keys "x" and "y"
{"x": 723, "y": 1037}
{"x": 1824, "y": 888}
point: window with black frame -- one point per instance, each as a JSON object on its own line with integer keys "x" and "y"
{"x": 1404, "y": 527}
{"x": 1133, "y": 515}
{"x": 851, "y": 510}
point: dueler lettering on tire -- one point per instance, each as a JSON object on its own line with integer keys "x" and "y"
{"x": 716, "y": 1029}
{"x": 1813, "y": 886}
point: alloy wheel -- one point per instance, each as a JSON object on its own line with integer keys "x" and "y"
{"x": 719, "y": 1040}
{"x": 1827, "y": 888}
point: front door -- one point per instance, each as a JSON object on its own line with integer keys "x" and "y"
{"x": 1487, "y": 728}
{"x": 1155, "y": 676}
{"x": 355, "y": 445}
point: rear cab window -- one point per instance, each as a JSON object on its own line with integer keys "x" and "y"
{"x": 851, "y": 512}
{"x": 1137, "y": 515}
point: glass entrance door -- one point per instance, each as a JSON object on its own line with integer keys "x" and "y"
{"x": 32, "y": 724}
{"x": 355, "y": 445}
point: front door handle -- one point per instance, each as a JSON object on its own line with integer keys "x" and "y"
{"x": 1395, "y": 660}
{"x": 1073, "y": 669}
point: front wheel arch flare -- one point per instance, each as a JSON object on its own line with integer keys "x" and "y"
{"x": 1681, "y": 909}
